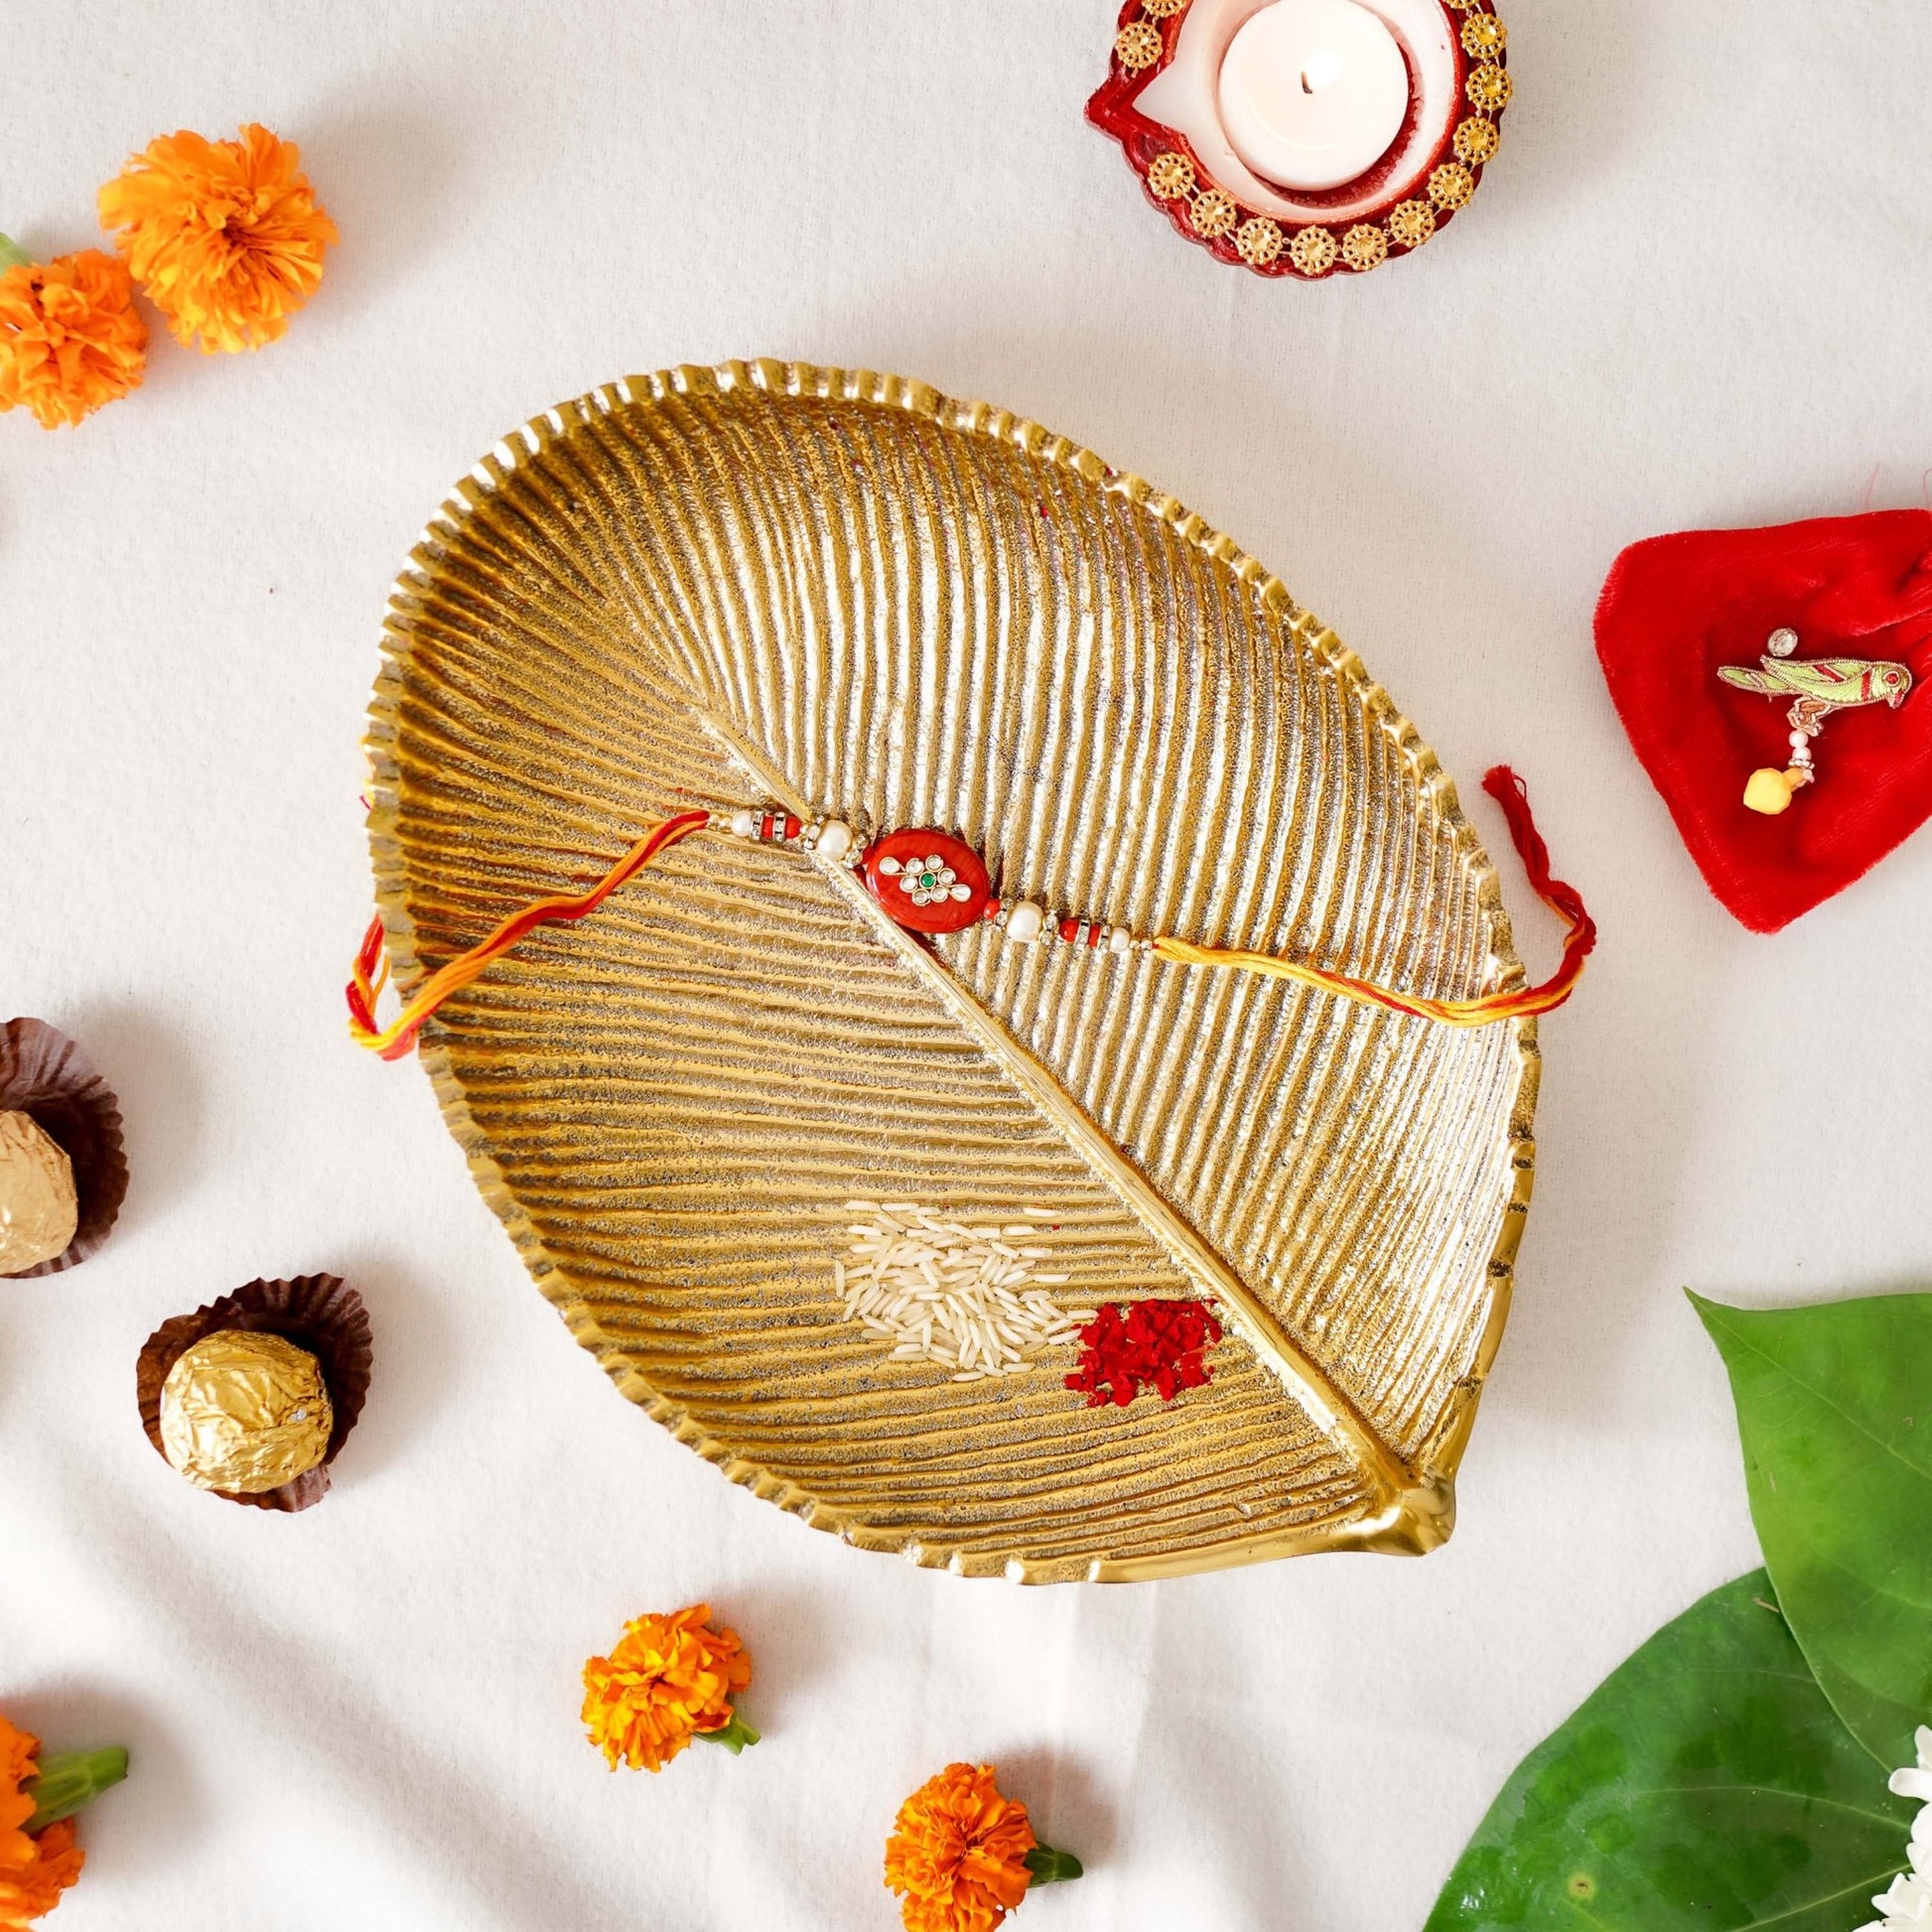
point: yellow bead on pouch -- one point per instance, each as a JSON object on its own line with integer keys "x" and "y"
{"x": 1769, "y": 791}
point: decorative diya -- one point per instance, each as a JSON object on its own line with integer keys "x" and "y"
{"x": 1298, "y": 137}
{"x": 788, "y": 1079}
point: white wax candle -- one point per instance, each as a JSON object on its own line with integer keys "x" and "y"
{"x": 1313, "y": 92}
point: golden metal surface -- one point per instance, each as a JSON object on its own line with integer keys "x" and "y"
{"x": 843, "y": 593}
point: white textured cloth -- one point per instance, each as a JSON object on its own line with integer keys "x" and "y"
{"x": 1693, "y": 290}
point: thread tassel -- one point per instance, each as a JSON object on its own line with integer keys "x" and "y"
{"x": 395, "y": 1039}
{"x": 1510, "y": 793}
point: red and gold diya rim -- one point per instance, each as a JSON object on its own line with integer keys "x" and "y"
{"x": 1458, "y": 84}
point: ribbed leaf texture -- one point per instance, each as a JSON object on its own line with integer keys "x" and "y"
{"x": 842, "y": 593}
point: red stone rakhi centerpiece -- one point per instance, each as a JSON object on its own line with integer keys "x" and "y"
{"x": 1277, "y": 134}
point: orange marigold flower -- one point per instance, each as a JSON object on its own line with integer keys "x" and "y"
{"x": 34, "y": 1872}
{"x": 70, "y": 339}
{"x": 958, "y": 1852}
{"x": 668, "y": 1680}
{"x": 30, "y": 1891}
{"x": 225, "y": 238}
{"x": 18, "y": 1750}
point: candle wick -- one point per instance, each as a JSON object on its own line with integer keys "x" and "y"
{"x": 1307, "y": 86}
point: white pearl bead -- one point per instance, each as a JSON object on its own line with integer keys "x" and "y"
{"x": 834, "y": 839}
{"x": 741, "y": 823}
{"x": 1800, "y": 739}
{"x": 1119, "y": 939}
{"x": 1782, "y": 641}
{"x": 1023, "y": 922}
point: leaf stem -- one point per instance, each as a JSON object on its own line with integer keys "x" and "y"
{"x": 1052, "y": 1867}
{"x": 71, "y": 1779}
{"x": 734, "y": 1737}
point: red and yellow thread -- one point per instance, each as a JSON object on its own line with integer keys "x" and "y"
{"x": 1502, "y": 784}
{"x": 395, "y": 1039}
{"x": 1509, "y": 791}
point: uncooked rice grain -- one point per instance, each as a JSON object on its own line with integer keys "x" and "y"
{"x": 945, "y": 1292}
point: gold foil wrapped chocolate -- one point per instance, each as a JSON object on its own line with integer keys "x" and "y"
{"x": 314, "y": 1315}
{"x": 46, "y": 1076}
{"x": 244, "y": 1412}
{"x": 40, "y": 1210}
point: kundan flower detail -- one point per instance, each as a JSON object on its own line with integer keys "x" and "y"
{"x": 962, "y": 1855}
{"x": 39, "y": 1859}
{"x": 1907, "y": 1901}
{"x": 668, "y": 1680}
{"x": 225, "y": 238}
{"x": 928, "y": 880}
{"x": 70, "y": 336}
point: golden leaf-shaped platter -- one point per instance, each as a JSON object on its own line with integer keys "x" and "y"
{"x": 840, "y": 592}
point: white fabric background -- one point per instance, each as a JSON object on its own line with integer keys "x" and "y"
{"x": 1694, "y": 290}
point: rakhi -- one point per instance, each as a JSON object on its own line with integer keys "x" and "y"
{"x": 1818, "y": 686}
{"x": 931, "y": 882}
{"x": 1831, "y": 619}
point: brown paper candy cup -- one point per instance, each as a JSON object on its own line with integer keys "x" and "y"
{"x": 316, "y": 1312}
{"x": 46, "y": 1076}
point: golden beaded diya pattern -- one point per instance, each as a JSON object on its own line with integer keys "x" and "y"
{"x": 1425, "y": 189}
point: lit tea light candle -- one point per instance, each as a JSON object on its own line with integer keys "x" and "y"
{"x": 1313, "y": 92}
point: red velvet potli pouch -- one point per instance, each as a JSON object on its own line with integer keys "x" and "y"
{"x": 1679, "y": 608}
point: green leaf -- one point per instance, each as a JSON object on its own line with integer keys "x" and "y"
{"x": 1707, "y": 1783}
{"x": 1834, "y": 1410}
{"x": 12, "y": 254}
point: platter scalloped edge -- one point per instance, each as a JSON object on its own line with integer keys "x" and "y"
{"x": 1406, "y": 1532}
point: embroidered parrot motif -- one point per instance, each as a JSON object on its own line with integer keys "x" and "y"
{"x": 1817, "y": 687}
{"x": 1820, "y": 685}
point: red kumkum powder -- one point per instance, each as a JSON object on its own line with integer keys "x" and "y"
{"x": 1148, "y": 1345}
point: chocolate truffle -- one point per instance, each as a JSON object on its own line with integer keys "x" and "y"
{"x": 245, "y": 1412}
{"x": 40, "y": 1210}
{"x": 315, "y": 1316}
{"x": 46, "y": 1077}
